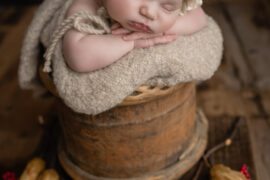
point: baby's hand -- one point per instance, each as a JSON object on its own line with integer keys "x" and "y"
{"x": 144, "y": 40}
{"x": 117, "y": 29}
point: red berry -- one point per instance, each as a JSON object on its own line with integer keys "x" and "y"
{"x": 9, "y": 176}
{"x": 244, "y": 171}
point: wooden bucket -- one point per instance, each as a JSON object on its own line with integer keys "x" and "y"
{"x": 155, "y": 133}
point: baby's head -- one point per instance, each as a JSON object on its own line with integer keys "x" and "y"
{"x": 153, "y": 16}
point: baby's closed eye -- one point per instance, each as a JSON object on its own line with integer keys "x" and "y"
{"x": 169, "y": 6}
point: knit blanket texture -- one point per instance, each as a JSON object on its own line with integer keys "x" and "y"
{"x": 190, "y": 58}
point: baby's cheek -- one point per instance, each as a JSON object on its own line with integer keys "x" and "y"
{"x": 166, "y": 22}
{"x": 165, "y": 26}
{"x": 119, "y": 10}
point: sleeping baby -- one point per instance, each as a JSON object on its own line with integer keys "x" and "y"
{"x": 100, "y": 51}
{"x": 137, "y": 24}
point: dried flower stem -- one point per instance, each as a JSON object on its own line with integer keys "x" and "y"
{"x": 225, "y": 143}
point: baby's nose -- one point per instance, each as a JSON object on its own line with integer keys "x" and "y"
{"x": 145, "y": 11}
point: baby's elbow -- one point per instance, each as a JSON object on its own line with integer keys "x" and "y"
{"x": 199, "y": 24}
{"x": 203, "y": 20}
{"x": 74, "y": 53}
{"x": 77, "y": 60}
{"x": 73, "y": 61}
{"x": 76, "y": 65}
{"x": 82, "y": 64}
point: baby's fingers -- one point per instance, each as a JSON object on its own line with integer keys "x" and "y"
{"x": 145, "y": 43}
{"x": 164, "y": 39}
{"x": 139, "y": 35}
{"x": 115, "y": 26}
{"x": 120, "y": 31}
{"x": 133, "y": 36}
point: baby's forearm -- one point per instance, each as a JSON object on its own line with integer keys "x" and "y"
{"x": 190, "y": 23}
{"x": 84, "y": 53}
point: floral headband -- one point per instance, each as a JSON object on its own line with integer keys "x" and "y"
{"x": 189, "y": 5}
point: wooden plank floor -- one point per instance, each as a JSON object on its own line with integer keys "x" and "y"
{"x": 240, "y": 88}
{"x": 242, "y": 83}
{"x": 20, "y": 131}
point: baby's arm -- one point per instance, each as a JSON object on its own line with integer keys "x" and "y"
{"x": 190, "y": 23}
{"x": 83, "y": 52}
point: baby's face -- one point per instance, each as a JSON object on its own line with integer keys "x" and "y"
{"x": 153, "y": 16}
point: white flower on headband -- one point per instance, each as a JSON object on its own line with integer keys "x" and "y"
{"x": 189, "y": 5}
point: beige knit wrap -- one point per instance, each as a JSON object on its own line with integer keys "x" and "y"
{"x": 190, "y": 58}
{"x": 76, "y": 21}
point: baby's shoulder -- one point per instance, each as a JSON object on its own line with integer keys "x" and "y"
{"x": 83, "y": 5}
